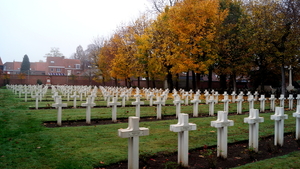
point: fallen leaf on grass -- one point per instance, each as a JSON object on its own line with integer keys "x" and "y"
{"x": 101, "y": 162}
{"x": 238, "y": 158}
{"x": 201, "y": 156}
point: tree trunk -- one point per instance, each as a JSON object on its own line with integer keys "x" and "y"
{"x": 234, "y": 82}
{"x": 170, "y": 80}
{"x": 153, "y": 83}
{"x": 210, "y": 78}
{"x": 198, "y": 80}
{"x": 177, "y": 81}
{"x": 223, "y": 83}
{"x": 139, "y": 82}
{"x": 147, "y": 79}
{"x": 283, "y": 91}
{"x": 126, "y": 82}
{"x": 194, "y": 81}
{"x": 187, "y": 81}
{"x": 116, "y": 82}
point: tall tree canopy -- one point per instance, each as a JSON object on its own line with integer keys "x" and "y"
{"x": 25, "y": 66}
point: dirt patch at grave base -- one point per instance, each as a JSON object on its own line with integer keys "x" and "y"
{"x": 205, "y": 157}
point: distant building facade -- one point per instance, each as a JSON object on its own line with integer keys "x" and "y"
{"x": 54, "y": 66}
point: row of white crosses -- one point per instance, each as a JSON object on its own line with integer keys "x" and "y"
{"x": 222, "y": 123}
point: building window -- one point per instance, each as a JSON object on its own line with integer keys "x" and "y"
{"x": 78, "y": 72}
{"x": 58, "y": 69}
{"x": 51, "y": 70}
{"x": 51, "y": 61}
{"x": 77, "y": 66}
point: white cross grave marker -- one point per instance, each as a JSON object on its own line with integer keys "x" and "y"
{"x": 59, "y": 106}
{"x": 137, "y": 104}
{"x": 297, "y": 115}
{"x": 279, "y": 117}
{"x": 159, "y": 102}
{"x": 251, "y": 101}
{"x": 89, "y": 104}
{"x": 281, "y": 98}
{"x": 226, "y": 102}
{"x": 298, "y": 99}
{"x": 211, "y": 103}
{"x": 114, "y": 105}
{"x": 233, "y": 94}
{"x": 177, "y": 103}
{"x": 262, "y": 100}
{"x": 186, "y": 98}
{"x": 253, "y": 120}
{"x": 196, "y": 102}
{"x": 272, "y": 102}
{"x": 151, "y": 95}
{"x": 123, "y": 96}
{"x": 74, "y": 96}
{"x": 182, "y": 128}
{"x": 36, "y": 100}
{"x": 291, "y": 101}
{"x": 216, "y": 94}
{"x": 221, "y": 124}
{"x": 132, "y": 133}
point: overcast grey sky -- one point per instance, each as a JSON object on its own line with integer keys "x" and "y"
{"x": 32, "y": 27}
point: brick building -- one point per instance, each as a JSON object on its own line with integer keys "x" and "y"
{"x": 55, "y": 66}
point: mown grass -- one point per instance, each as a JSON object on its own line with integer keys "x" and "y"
{"x": 26, "y": 143}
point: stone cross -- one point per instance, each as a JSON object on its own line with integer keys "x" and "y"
{"x": 297, "y": 115}
{"x": 298, "y": 99}
{"x": 239, "y": 102}
{"x": 59, "y": 106}
{"x": 36, "y": 100}
{"x": 251, "y": 101}
{"x": 186, "y": 98}
{"x": 191, "y": 94}
{"x": 108, "y": 96}
{"x": 291, "y": 100}
{"x": 216, "y": 97}
{"x": 196, "y": 102}
{"x": 279, "y": 117}
{"x": 226, "y": 102}
{"x": 137, "y": 104}
{"x": 253, "y": 120}
{"x": 74, "y": 96}
{"x": 26, "y": 92}
{"x": 281, "y": 98}
{"x": 89, "y": 104}
{"x": 206, "y": 97}
{"x": 211, "y": 103}
{"x": 272, "y": 102}
{"x": 177, "y": 102}
{"x": 151, "y": 95}
{"x": 255, "y": 95}
{"x": 182, "y": 128}
{"x": 114, "y": 105}
{"x": 123, "y": 96}
{"x": 233, "y": 94}
{"x": 55, "y": 97}
{"x": 159, "y": 102}
{"x": 262, "y": 100}
{"x": 221, "y": 124}
{"x": 132, "y": 133}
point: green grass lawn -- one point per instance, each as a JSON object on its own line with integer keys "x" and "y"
{"x": 26, "y": 143}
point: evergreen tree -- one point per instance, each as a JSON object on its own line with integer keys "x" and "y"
{"x": 25, "y": 66}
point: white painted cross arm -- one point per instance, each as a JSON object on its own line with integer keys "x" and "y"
{"x": 253, "y": 117}
{"x": 133, "y": 129}
{"x": 183, "y": 124}
{"x": 222, "y": 120}
{"x": 279, "y": 114}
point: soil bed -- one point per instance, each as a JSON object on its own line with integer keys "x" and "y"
{"x": 205, "y": 157}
